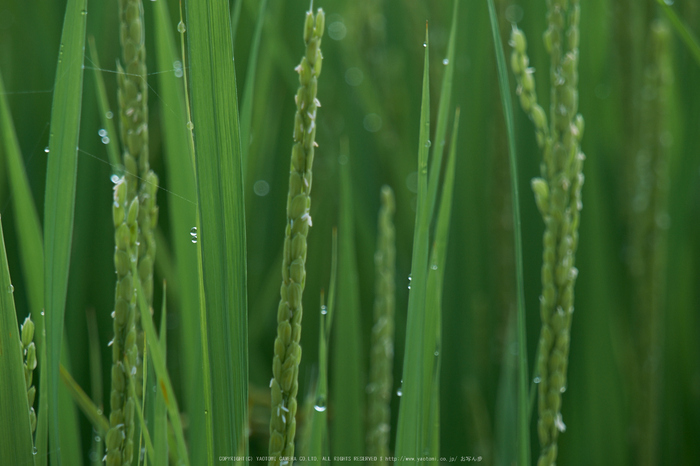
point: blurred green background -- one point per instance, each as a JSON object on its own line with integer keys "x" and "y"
{"x": 370, "y": 95}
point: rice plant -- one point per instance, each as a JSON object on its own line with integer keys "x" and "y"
{"x": 153, "y": 153}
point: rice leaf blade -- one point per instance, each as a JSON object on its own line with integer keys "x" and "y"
{"x": 59, "y": 203}
{"x": 506, "y": 100}
{"x": 248, "y": 88}
{"x": 31, "y": 252}
{"x": 686, "y": 35}
{"x": 16, "y": 441}
{"x": 433, "y": 332}
{"x": 222, "y": 219}
{"x": 163, "y": 379}
{"x": 411, "y": 414}
{"x": 347, "y": 377}
{"x": 438, "y": 146}
{"x": 106, "y": 115}
{"x": 183, "y": 214}
{"x": 318, "y": 445}
{"x": 86, "y": 405}
{"x": 160, "y": 430}
{"x": 70, "y": 451}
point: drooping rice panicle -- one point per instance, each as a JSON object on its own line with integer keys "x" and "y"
{"x": 379, "y": 388}
{"x": 119, "y": 440}
{"x": 29, "y": 353}
{"x": 558, "y": 196}
{"x": 143, "y": 182}
{"x": 285, "y": 365}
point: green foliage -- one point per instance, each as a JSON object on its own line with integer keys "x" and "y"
{"x": 640, "y": 130}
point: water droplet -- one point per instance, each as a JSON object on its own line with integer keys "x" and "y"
{"x": 84, "y": 12}
{"x": 337, "y": 30}
{"x": 178, "y": 72}
{"x": 562, "y": 389}
{"x": 320, "y": 405}
{"x": 206, "y": 413}
{"x": 434, "y": 267}
{"x": 424, "y": 44}
{"x": 42, "y": 313}
{"x": 34, "y": 451}
{"x": 261, "y": 188}
{"x": 436, "y": 353}
{"x": 399, "y": 392}
{"x": 668, "y": 2}
{"x": 181, "y": 27}
{"x": 446, "y": 61}
{"x": 46, "y": 149}
{"x": 97, "y": 438}
{"x": 537, "y": 380}
{"x": 105, "y": 140}
{"x": 99, "y": 411}
{"x": 102, "y": 132}
{"x": 11, "y": 289}
{"x": 428, "y": 143}
{"x": 190, "y": 125}
{"x": 193, "y": 231}
{"x": 372, "y": 122}
{"x": 114, "y": 179}
{"x": 109, "y": 115}
{"x": 324, "y": 310}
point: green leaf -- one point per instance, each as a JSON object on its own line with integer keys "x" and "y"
{"x": 160, "y": 429}
{"x": 412, "y": 416}
{"x": 70, "y": 451}
{"x": 96, "y": 382}
{"x": 31, "y": 254}
{"x": 105, "y": 112}
{"x": 221, "y": 232}
{"x": 249, "y": 86}
{"x": 86, "y": 405}
{"x": 683, "y": 30}
{"x": 523, "y": 418}
{"x": 348, "y": 386}
{"x": 16, "y": 442}
{"x": 163, "y": 383}
{"x": 59, "y": 203}
{"x": 182, "y": 200}
{"x": 432, "y": 346}
{"x": 318, "y": 445}
{"x": 438, "y": 145}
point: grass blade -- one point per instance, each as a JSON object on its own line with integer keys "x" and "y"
{"x": 160, "y": 429}
{"x": 247, "y": 104}
{"x": 318, "y": 445}
{"x": 182, "y": 213}
{"x": 90, "y": 409}
{"x": 443, "y": 113}
{"x": 222, "y": 219}
{"x": 523, "y": 404}
{"x": 16, "y": 441}
{"x": 411, "y": 413}
{"x": 96, "y": 384}
{"x": 433, "y": 329}
{"x": 163, "y": 379}
{"x": 683, "y": 30}
{"x": 32, "y": 257}
{"x": 59, "y": 203}
{"x": 235, "y": 18}
{"x": 106, "y": 115}
{"x": 70, "y": 451}
{"x": 348, "y": 386}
